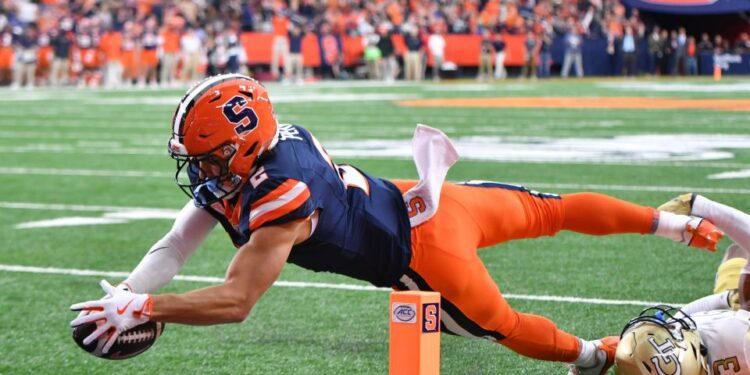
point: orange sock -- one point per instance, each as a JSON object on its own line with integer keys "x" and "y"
{"x": 538, "y": 337}
{"x": 599, "y": 214}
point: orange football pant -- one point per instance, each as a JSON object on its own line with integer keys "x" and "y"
{"x": 471, "y": 216}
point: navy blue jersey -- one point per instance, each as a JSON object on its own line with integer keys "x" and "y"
{"x": 362, "y": 230}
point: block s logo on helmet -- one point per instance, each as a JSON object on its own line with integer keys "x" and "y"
{"x": 237, "y": 113}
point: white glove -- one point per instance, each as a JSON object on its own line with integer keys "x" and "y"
{"x": 123, "y": 286}
{"x": 121, "y": 311}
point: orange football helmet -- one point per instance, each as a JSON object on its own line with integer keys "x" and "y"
{"x": 221, "y": 127}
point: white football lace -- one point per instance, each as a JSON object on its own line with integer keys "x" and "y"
{"x": 135, "y": 337}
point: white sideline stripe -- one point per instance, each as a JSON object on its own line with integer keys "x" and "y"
{"x": 78, "y": 207}
{"x": 200, "y": 279}
{"x": 302, "y": 284}
{"x": 81, "y": 172}
{"x": 655, "y": 188}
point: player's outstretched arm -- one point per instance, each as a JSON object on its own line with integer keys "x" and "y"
{"x": 720, "y": 301}
{"x": 167, "y": 256}
{"x": 253, "y": 270}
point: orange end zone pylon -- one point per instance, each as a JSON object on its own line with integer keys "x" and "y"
{"x": 414, "y": 333}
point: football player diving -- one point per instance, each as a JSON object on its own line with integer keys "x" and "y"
{"x": 281, "y": 199}
{"x": 708, "y": 335}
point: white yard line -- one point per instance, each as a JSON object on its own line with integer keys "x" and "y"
{"x": 317, "y": 285}
{"x": 529, "y": 184}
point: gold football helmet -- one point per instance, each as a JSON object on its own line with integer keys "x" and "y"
{"x": 660, "y": 341}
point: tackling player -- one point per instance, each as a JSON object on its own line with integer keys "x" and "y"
{"x": 280, "y": 197}
{"x": 709, "y": 335}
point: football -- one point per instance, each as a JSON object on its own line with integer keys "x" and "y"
{"x": 130, "y": 343}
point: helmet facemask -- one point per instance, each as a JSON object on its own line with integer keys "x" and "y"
{"x": 206, "y": 178}
{"x": 661, "y": 340}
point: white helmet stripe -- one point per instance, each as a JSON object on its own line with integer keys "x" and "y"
{"x": 194, "y": 93}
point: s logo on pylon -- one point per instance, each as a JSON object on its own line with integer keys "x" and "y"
{"x": 430, "y": 317}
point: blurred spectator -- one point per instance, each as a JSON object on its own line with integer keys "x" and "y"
{"x": 705, "y": 46}
{"x": 149, "y": 57}
{"x": 654, "y": 50}
{"x": 26, "y": 58}
{"x": 743, "y": 44}
{"x": 88, "y": 57}
{"x": 44, "y": 59}
{"x": 61, "y": 46}
{"x": 6, "y": 56}
{"x": 573, "y": 53}
{"x": 486, "y": 55}
{"x": 236, "y": 58}
{"x": 436, "y": 45}
{"x": 629, "y": 52}
{"x": 293, "y": 69}
{"x": 529, "y": 69}
{"x": 192, "y": 51}
{"x": 719, "y": 45}
{"x": 331, "y": 52}
{"x": 671, "y": 53}
{"x": 373, "y": 57}
{"x": 280, "y": 47}
{"x": 611, "y": 54}
{"x": 413, "y": 59}
{"x": 27, "y": 12}
{"x": 666, "y": 54}
{"x": 498, "y": 44}
{"x": 149, "y": 38}
{"x": 545, "y": 55}
{"x": 681, "y": 52}
{"x": 170, "y": 50}
{"x": 111, "y": 44}
{"x": 130, "y": 54}
{"x": 691, "y": 60}
{"x": 389, "y": 65}
{"x": 248, "y": 17}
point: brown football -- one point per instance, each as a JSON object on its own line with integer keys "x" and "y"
{"x": 130, "y": 343}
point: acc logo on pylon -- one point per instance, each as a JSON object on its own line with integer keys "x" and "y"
{"x": 404, "y": 312}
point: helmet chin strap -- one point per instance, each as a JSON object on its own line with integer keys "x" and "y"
{"x": 214, "y": 190}
{"x": 236, "y": 183}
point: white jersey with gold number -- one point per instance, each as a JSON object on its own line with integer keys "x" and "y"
{"x": 725, "y": 334}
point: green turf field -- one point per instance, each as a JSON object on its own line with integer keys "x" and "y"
{"x": 95, "y": 154}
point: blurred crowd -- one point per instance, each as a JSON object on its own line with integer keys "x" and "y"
{"x": 115, "y": 43}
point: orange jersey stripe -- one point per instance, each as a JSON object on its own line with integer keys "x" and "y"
{"x": 275, "y": 194}
{"x": 286, "y": 208}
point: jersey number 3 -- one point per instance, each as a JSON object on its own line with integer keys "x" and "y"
{"x": 722, "y": 366}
